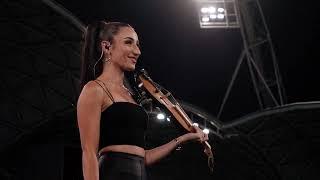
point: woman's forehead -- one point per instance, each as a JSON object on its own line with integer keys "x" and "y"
{"x": 126, "y": 32}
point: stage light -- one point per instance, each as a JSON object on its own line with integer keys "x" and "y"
{"x": 205, "y": 19}
{"x": 204, "y": 10}
{"x": 168, "y": 119}
{"x": 196, "y": 124}
{"x": 160, "y": 116}
{"x": 217, "y": 13}
{"x": 206, "y": 131}
{"x": 221, "y": 10}
{"x": 213, "y": 16}
{"x": 220, "y": 16}
{"x": 211, "y": 9}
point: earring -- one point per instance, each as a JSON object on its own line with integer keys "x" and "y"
{"x": 107, "y": 60}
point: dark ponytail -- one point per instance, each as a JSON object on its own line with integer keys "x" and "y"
{"x": 91, "y": 50}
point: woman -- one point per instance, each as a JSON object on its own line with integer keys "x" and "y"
{"x": 111, "y": 123}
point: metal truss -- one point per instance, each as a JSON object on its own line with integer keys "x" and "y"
{"x": 278, "y": 143}
{"x": 259, "y": 55}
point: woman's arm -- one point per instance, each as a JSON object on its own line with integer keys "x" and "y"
{"x": 88, "y": 114}
{"x": 156, "y": 154}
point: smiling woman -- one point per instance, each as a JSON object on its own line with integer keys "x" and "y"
{"x": 112, "y": 125}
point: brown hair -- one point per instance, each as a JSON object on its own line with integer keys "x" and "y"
{"x": 91, "y": 51}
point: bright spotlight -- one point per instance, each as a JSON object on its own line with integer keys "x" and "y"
{"x": 221, "y": 10}
{"x": 220, "y": 16}
{"x": 213, "y": 16}
{"x": 196, "y": 124}
{"x": 204, "y": 10}
{"x": 205, "y": 19}
{"x": 160, "y": 116}
{"x": 217, "y": 13}
{"x": 211, "y": 9}
{"x": 168, "y": 119}
{"x": 206, "y": 131}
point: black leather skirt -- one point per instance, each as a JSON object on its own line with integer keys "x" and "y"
{"x": 121, "y": 166}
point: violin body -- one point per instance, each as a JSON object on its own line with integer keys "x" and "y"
{"x": 147, "y": 86}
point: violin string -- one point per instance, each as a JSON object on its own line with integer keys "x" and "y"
{"x": 160, "y": 88}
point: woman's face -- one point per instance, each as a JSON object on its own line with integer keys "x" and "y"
{"x": 124, "y": 50}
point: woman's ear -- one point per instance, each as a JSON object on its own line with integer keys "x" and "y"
{"x": 105, "y": 45}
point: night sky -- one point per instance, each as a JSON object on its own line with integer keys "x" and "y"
{"x": 196, "y": 64}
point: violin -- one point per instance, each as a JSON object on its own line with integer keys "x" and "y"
{"x": 147, "y": 86}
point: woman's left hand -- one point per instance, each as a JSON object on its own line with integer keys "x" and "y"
{"x": 197, "y": 135}
{"x": 201, "y": 136}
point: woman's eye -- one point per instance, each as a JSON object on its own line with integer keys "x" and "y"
{"x": 128, "y": 42}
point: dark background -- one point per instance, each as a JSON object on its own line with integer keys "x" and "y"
{"x": 197, "y": 64}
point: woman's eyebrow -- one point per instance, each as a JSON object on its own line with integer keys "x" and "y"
{"x": 131, "y": 39}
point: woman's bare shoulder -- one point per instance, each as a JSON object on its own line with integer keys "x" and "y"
{"x": 91, "y": 91}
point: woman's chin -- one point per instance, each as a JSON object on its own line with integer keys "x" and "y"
{"x": 130, "y": 68}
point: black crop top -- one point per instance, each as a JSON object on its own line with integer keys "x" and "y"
{"x": 123, "y": 123}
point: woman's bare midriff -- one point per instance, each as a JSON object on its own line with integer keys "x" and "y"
{"x": 130, "y": 149}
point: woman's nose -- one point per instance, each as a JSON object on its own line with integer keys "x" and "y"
{"x": 136, "y": 51}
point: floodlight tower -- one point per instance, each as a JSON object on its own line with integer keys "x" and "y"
{"x": 258, "y": 50}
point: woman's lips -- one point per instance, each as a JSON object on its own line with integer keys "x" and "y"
{"x": 133, "y": 59}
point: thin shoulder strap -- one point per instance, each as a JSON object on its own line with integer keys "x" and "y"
{"x": 105, "y": 89}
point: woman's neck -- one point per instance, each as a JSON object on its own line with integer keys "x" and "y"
{"x": 112, "y": 74}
